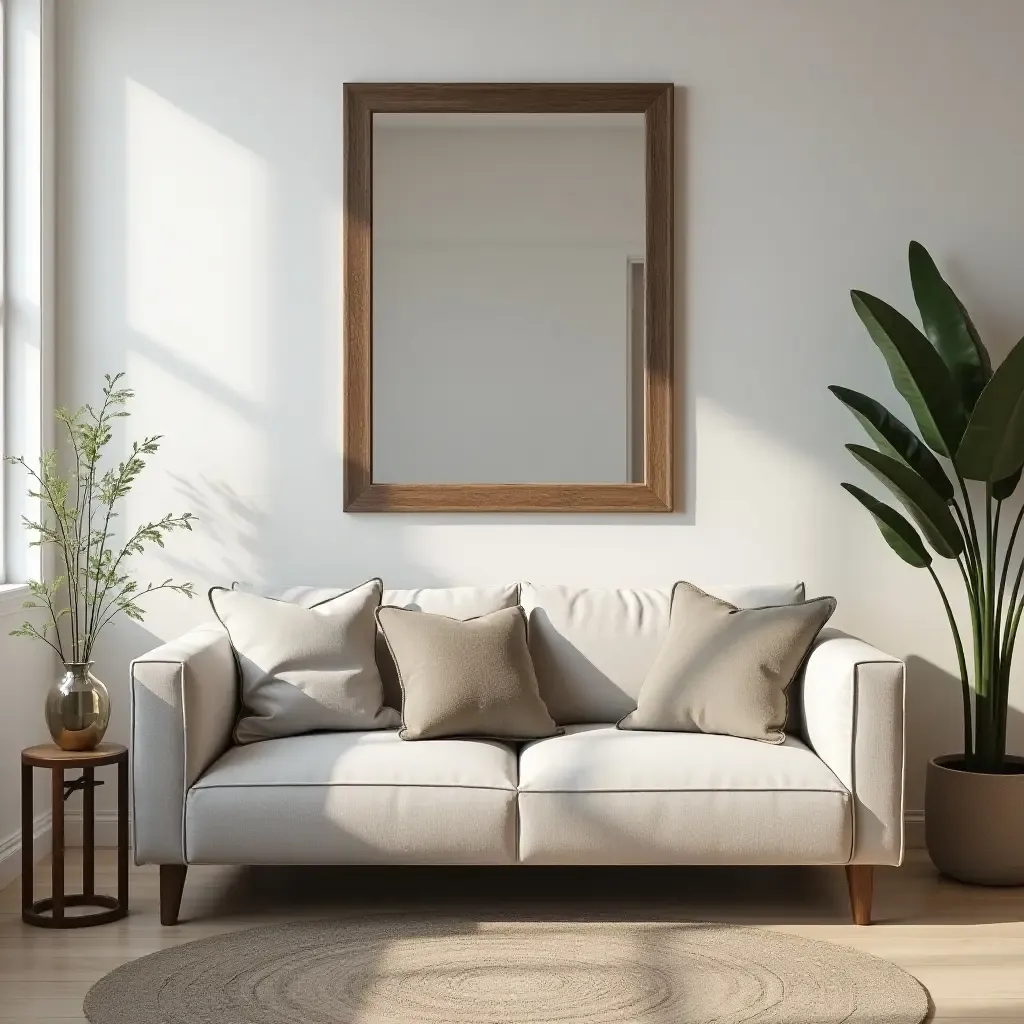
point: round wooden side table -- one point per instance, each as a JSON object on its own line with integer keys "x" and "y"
{"x": 49, "y": 913}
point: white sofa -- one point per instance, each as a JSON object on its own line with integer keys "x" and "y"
{"x": 831, "y": 794}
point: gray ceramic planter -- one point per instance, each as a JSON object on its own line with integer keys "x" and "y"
{"x": 974, "y": 822}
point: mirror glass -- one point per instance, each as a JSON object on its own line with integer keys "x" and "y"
{"x": 508, "y": 295}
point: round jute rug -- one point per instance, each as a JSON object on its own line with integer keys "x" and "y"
{"x": 397, "y": 969}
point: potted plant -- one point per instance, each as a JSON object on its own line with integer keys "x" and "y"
{"x": 954, "y": 480}
{"x": 94, "y": 585}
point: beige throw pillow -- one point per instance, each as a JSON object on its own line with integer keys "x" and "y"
{"x": 455, "y": 602}
{"x": 724, "y": 669}
{"x": 470, "y": 677}
{"x": 305, "y": 669}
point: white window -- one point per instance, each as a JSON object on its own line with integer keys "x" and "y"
{"x": 27, "y": 217}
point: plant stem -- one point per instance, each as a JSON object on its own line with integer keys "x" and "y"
{"x": 112, "y": 572}
{"x": 966, "y": 571}
{"x": 1009, "y": 642}
{"x": 1001, "y": 710}
{"x": 73, "y": 571}
{"x": 117, "y": 561}
{"x": 975, "y": 610}
{"x": 993, "y": 556}
{"x": 1000, "y": 671}
{"x": 1012, "y": 613}
{"x": 143, "y": 593}
{"x": 38, "y": 635}
{"x": 976, "y": 591}
{"x": 1007, "y": 558}
{"x": 56, "y": 629}
{"x": 972, "y": 525}
{"x": 962, "y": 661}
{"x": 965, "y": 530}
{"x": 1009, "y": 638}
{"x": 93, "y": 462}
{"x": 987, "y": 685}
{"x": 88, "y": 553}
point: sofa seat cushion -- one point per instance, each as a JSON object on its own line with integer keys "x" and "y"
{"x": 355, "y": 798}
{"x": 598, "y": 795}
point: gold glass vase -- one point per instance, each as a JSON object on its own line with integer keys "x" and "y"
{"x": 77, "y": 708}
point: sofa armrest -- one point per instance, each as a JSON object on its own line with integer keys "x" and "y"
{"x": 853, "y": 702}
{"x": 184, "y": 704}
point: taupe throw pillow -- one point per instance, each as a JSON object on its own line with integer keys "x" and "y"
{"x": 724, "y": 669}
{"x": 471, "y": 677}
{"x": 305, "y": 669}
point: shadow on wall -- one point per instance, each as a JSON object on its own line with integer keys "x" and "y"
{"x": 233, "y": 528}
{"x": 934, "y": 719}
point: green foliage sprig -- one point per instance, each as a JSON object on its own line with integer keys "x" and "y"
{"x": 973, "y": 417}
{"x": 77, "y": 518}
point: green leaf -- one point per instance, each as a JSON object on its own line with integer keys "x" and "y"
{"x": 993, "y": 444}
{"x": 926, "y": 508}
{"x": 896, "y": 439}
{"x": 898, "y": 533}
{"x": 948, "y": 326}
{"x": 918, "y": 372}
{"x": 1002, "y": 489}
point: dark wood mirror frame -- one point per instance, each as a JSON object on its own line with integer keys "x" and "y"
{"x": 656, "y": 492}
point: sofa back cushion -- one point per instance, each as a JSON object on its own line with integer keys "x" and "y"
{"x": 592, "y": 648}
{"x": 455, "y": 602}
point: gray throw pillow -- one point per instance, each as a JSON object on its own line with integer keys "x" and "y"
{"x": 724, "y": 669}
{"x": 471, "y": 677}
{"x": 305, "y": 669}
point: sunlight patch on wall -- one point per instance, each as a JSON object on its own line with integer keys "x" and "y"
{"x": 199, "y": 465}
{"x": 754, "y": 486}
{"x": 197, "y": 244}
{"x": 197, "y": 278}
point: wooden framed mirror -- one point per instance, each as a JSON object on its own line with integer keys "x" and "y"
{"x": 508, "y": 327}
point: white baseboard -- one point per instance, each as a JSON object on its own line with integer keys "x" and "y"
{"x": 106, "y": 829}
{"x": 10, "y": 848}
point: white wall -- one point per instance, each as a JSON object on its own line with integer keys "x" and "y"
{"x": 200, "y": 208}
{"x": 501, "y": 248}
{"x": 27, "y": 668}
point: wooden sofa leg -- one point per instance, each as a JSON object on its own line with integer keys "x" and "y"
{"x": 860, "y": 881}
{"x": 172, "y": 884}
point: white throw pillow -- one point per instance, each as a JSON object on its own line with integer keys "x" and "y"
{"x": 305, "y": 669}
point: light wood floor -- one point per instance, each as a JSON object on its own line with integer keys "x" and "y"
{"x": 965, "y": 944}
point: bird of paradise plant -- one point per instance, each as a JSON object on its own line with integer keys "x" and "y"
{"x": 970, "y": 418}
